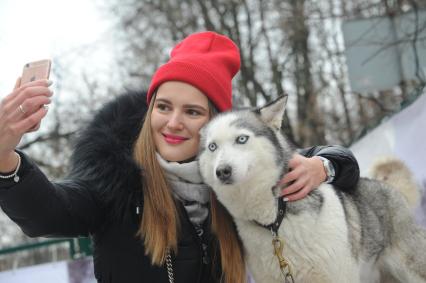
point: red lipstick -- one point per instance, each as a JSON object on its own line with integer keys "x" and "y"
{"x": 172, "y": 139}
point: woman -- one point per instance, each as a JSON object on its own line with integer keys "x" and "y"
{"x": 134, "y": 187}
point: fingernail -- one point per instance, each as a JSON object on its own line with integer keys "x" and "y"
{"x": 285, "y": 199}
{"x": 45, "y": 106}
{"x": 50, "y": 92}
{"x": 49, "y": 82}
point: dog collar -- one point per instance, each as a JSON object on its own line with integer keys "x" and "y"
{"x": 274, "y": 226}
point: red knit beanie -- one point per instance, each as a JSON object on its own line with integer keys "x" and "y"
{"x": 205, "y": 60}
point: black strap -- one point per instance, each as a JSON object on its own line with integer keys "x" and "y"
{"x": 280, "y": 216}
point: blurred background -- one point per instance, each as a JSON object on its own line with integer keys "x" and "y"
{"x": 354, "y": 70}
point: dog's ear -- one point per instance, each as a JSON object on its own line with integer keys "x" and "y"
{"x": 273, "y": 112}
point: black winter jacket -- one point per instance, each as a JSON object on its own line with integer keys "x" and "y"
{"x": 100, "y": 195}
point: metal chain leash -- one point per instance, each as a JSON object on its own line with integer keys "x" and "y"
{"x": 285, "y": 267}
{"x": 169, "y": 266}
{"x": 278, "y": 245}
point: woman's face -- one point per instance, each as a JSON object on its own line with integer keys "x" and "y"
{"x": 180, "y": 110}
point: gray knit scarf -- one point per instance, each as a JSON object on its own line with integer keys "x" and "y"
{"x": 188, "y": 187}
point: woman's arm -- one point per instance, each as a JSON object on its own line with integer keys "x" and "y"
{"x": 103, "y": 180}
{"x": 344, "y": 162}
{"x": 308, "y": 172}
{"x": 44, "y": 208}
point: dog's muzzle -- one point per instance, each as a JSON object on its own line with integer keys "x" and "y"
{"x": 224, "y": 174}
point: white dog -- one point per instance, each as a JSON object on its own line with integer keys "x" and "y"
{"x": 329, "y": 236}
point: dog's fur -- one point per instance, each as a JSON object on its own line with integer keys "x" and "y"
{"x": 330, "y": 236}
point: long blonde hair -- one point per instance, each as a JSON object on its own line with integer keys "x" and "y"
{"x": 159, "y": 227}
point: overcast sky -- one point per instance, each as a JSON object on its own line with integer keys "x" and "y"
{"x": 32, "y": 30}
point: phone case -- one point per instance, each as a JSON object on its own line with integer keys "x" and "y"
{"x": 35, "y": 71}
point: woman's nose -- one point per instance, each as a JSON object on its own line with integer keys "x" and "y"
{"x": 175, "y": 121}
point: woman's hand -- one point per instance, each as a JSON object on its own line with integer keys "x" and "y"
{"x": 305, "y": 175}
{"x": 21, "y": 112}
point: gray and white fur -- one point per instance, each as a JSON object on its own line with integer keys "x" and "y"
{"x": 330, "y": 235}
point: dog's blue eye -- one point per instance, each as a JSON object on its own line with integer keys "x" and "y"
{"x": 212, "y": 147}
{"x": 242, "y": 139}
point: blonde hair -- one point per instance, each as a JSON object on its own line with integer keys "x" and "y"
{"x": 160, "y": 225}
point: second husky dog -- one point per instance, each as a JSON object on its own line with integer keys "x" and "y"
{"x": 395, "y": 172}
{"x": 329, "y": 236}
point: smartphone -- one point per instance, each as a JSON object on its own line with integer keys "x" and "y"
{"x": 36, "y": 70}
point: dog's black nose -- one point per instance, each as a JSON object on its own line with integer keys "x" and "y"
{"x": 224, "y": 173}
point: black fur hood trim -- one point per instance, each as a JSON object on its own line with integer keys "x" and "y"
{"x": 102, "y": 158}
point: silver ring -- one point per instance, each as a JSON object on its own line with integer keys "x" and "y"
{"x": 22, "y": 109}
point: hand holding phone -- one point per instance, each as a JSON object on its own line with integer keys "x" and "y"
{"x": 33, "y": 71}
{"x": 25, "y": 108}
{"x": 36, "y": 70}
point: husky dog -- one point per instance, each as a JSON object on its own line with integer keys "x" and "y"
{"x": 396, "y": 173}
{"x": 329, "y": 236}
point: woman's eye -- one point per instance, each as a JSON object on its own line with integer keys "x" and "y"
{"x": 212, "y": 146}
{"x": 242, "y": 139}
{"x": 162, "y": 107}
{"x": 193, "y": 112}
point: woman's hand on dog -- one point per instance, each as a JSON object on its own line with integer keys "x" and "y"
{"x": 306, "y": 174}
